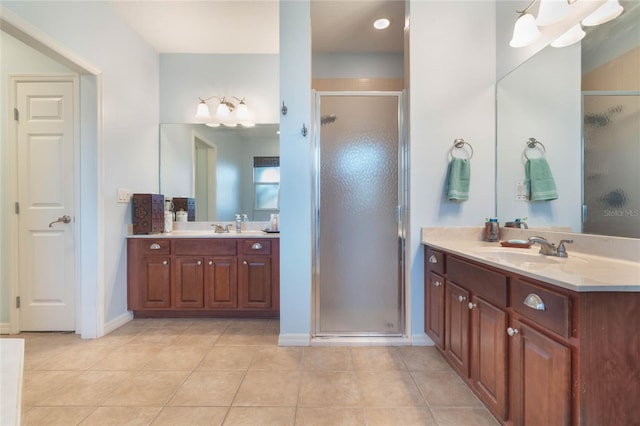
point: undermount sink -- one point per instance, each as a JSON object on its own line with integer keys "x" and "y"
{"x": 522, "y": 256}
{"x": 517, "y": 255}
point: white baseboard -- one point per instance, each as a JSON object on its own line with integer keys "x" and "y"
{"x": 293, "y": 339}
{"x": 118, "y": 322}
{"x": 421, "y": 340}
{"x": 4, "y": 328}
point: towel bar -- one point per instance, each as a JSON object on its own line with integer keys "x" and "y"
{"x": 459, "y": 143}
{"x": 533, "y": 143}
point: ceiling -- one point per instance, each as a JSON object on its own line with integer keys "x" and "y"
{"x": 252, "y": 26}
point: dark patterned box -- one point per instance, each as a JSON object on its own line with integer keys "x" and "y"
{"x": 188, "y": 204}
{"x": 148, "y": 213}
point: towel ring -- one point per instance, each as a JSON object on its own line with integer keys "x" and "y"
{"x": 533, "y": 143}
{"x": 459, "y": 144}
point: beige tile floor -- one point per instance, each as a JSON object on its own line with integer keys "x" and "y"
{"x": 231, "y": 372}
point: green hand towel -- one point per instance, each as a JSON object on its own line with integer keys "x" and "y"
{"x": 539, "y": 180}
{"x": 458, "y": 178}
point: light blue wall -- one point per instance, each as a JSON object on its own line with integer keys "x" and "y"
{"x": 295, "y": 164}
{"x": 358, "y": 65}
{"x": 452, "y": 95}
{"x": 17, "y": 59}
{"x": 186, "y": 77}
{"x": 129, "y": 118}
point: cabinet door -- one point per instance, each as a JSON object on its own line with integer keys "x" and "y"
{"x": 189, "y": 283}
{"x": 541, "y": 378}
{"x": 434, "y": 305}
{"x": 457, "y": 327}
{"x": 489, "y": 354}
{"x": 221, "y": 282}
{"x": 255, "y": 282}
{"x": 154, "y": 282}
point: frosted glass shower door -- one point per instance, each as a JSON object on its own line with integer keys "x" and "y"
{"x": 359, "y": 249}
{"x": 611, "y": 164}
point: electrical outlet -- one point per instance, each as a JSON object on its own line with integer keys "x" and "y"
{"x": 522, "y": 193}
{"x": 124, "y": 195}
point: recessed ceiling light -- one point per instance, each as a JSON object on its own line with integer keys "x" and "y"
{"x": 381, "y": 24}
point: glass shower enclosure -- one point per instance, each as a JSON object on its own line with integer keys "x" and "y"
{"x": 359, "y": 208}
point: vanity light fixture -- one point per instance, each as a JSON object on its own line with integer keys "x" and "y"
{"x": 574, "y": 35}
{"x": 381, "y": 24}
{"x": 605, "y": 13}
{"x": 227, "y": 113}
{"x": 526, "y": 31}
{"x": 552, "y": 11}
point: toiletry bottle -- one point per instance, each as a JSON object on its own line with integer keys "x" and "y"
{"x": 245, "y": 222}
{"x": 492, "y": 230}
{"x": 274, "y": 222}
{"x": 238, "y": 224}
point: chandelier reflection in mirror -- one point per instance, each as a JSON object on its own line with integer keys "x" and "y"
{"x": 527, "y": 28}
{"x": 227, "y": 113}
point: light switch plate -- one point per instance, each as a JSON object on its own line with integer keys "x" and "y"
{"x": 522, "y": 194}
{"x": 124, "y": 195}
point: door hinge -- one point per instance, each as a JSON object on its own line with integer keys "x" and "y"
{"x": 17, "y": 207}
{"x": 17, "y": 301}
{"x": 16, "y": 114}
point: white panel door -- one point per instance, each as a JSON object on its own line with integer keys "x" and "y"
{"x": 45, "y": 139}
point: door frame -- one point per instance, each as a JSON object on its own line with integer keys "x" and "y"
{"x": 14, "y": 240}
{"x": 402, "y": 214}
{"x": 90, "y": 236}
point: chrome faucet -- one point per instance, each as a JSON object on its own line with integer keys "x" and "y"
{"x": 219, "y": 229}
{"x": 549, "y": 249}
{"x": 546, "y": 248}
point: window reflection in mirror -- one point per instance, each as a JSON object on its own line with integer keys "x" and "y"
{"x": 216, "y": 166}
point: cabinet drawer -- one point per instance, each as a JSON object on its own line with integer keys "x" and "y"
{"x": 149, "y": 246}
{"x": 547, "y": 308}
{"x": 206, "y": 247}
{"x": 256, "y": 247}
{"x": 490, "y": 285}
{"x": 434, "y": 260}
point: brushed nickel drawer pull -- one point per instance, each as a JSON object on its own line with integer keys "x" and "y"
{"x": 461, "y": 298}
{"x": 437, "y": 283}
{"x": 155, "y": 246}
{"x": 165, "y": 262}
{"x": 211, "y": 262}
{"x": 199, "y": 262}
{"x": 535, "y": 302}
{"x": 256, "y": 246}
{"x": 433, "y": 259}
{"x": 512, "y": 331}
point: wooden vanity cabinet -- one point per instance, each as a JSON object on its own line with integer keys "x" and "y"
{"x": 541, "y": 378}
{"x": 201, "y": 277}
{"x": 538, "y": 354}
{"x": 434, "y": 296}
{"x": 475, "y": 324}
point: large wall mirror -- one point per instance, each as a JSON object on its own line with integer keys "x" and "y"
{"x": 216, "y": 166}
{"x": 582, "y": 103}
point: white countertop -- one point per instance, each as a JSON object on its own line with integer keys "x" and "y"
{"x": 208, "y": 234}
{"x": 578, "y": 272}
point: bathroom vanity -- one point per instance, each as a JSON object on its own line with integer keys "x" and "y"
{"x": 194, "y": 274}
{"x": 539, "y": 339}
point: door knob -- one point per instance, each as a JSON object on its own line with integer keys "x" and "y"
{"x": 64, "y": 219}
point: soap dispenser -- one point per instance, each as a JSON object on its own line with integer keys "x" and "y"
{"x": 245, "y": 222}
